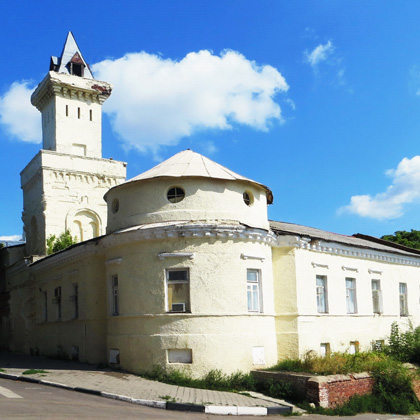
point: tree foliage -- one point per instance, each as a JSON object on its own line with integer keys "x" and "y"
{"x": 402, "y": 237}
{"x": 63, "y": 241}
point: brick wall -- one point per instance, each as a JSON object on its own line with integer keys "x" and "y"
{"x": 327, "y": 391}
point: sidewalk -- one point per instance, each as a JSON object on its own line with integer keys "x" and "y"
{"x": 131, "y": 388}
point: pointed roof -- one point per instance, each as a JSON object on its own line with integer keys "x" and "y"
{"x": 191, "y": 164}
{"x": 71, "y": 54}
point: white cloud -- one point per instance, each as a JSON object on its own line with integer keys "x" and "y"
{"x": 319, "y": 54}
{"x": 391, "y": 204}
{"x": 13, "y": 238}
{"x": 18, "y": 117}
{"x": 157, "y": 101}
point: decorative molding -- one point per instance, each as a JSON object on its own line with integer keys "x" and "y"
{"x": 315, "y": 265}
{"x": 344, "y": 268}
{"x": 189, "y": 230}
{"x": 163, "y": 255}
{"x": 72, "y": 273}
{"x": 113, "y": 261}
{"x": 335, "y": 248}
{"x": 252, "y": 257}
{"x": 374, "y": 271}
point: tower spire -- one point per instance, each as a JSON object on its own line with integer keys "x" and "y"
{"x": 71, "y": 60}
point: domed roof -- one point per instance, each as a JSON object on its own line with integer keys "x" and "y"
{"x": 191, "y": 164}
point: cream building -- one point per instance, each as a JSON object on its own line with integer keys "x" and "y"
{"x": 180, "y": 265}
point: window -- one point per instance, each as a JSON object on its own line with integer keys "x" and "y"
{"x": 179, "y": 356}
{"x": 67, "y": 110}
{"x": 376, "y": 297}
{"x": 75, "y": 299}
{"x": 90, "y": 115}
{"x": 115, "y": 206}
{"x": 45, "y": 305}
{"x": 175, "y": 195}
{"x": 248, "y": 198}
{"x": 76, "y": 69}
{"x": 403, "y": 299}
{"x": 325, "y": 349}
{"x": 378, "y": 345}
{"x": 351, "y": 296}
{"x": 115, "y": 299}
{"x": 178, "y": 290}
{"x": 57, "y": 301}
{"x": 253, "y": 290}
{"x": 321, "y": 294}
{"x": 74, "y": 352}
{"x": 78, "y": 113}
{"x": 354, "y": 347}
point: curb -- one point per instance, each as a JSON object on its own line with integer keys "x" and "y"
{"x": 208, "y": 409}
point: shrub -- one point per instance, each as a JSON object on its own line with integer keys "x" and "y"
{"x": 404, "y": 346}
{"x": 393, "y": 388}
{"x": 336, "y": 363}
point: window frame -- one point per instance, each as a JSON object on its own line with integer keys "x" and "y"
{"x": 57, "y": 300}
{"x": 403, "y": 299}
{"x": 75, "y": 299}
{"x": 115, "y": 297}
{"x": 322, "y": 307}
{"x": 169, "y": 282}
{"x": 253, "y": 288}
{"x": 175, "y": 194}
{"x": 377, "y": 303}
{"x": 351, "y": 296}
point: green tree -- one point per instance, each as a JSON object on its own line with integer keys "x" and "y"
{"x": 402, "y": 237}
{"x": 55, "y": 244}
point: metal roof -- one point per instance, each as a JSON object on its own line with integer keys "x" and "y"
{"x": 70, "y": 49}
{"x": 361, "y": 241}
{"x": 191, "y": 164}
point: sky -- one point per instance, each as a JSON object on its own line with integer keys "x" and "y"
{"x": 318, "y": 100}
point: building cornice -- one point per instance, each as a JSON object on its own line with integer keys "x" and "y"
{"x": 145, "y": 233}
{"x": 184, "y": 230}
{"x": 72, "y": 87}
{"x": 335, "y": 248}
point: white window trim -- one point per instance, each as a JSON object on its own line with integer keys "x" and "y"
{"x": 354, "y": 293}
{"x": 259, "y": 291}
{"x": 325, "y": 294}
{"x": 377, "y": 295}
{"x": 168, "y": 282}
{"x": 403, "y": 297}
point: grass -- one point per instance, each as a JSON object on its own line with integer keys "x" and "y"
{"x": 2, "y": 370}
{"x": 336, "y": 363}
{"x": 33, "y": 371}
{"x": 216, "y": 380}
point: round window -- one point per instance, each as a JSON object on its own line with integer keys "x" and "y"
{"x": 115, "y": 205}
{"x": 248, "y": 198}
{"x": 175, "y": 195}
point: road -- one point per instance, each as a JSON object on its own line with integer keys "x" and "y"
{"x": 27, "y": 401}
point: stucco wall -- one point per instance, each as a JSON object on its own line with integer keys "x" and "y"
{"x": 87, "y": 331}
{"x": 205, "y": 199}
{"x": 66, "y": 192}
{"x": 219, "y": 330}
{"x": 337, "y": 327}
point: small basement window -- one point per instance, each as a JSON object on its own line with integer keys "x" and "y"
{"x": 175, "y": 195}
{"x": 179, "y": 355}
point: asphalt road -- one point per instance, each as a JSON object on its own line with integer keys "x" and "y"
{"x": 24, "y": 401}
{"x": 27, "y": 401}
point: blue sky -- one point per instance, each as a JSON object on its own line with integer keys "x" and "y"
{"x": 319, "y": 100}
